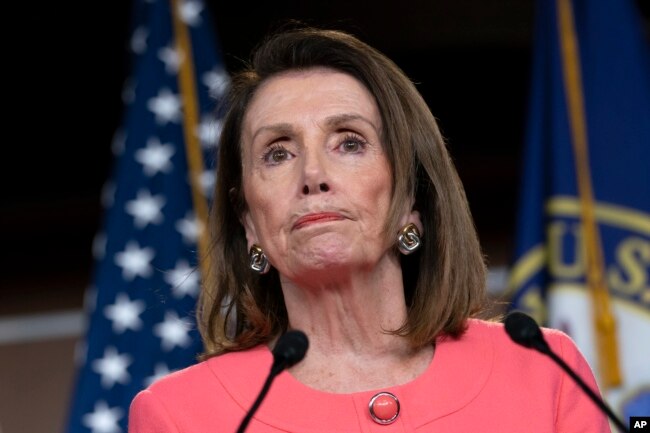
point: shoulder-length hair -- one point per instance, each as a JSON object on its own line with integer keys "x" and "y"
{"x": 444, "y": 282}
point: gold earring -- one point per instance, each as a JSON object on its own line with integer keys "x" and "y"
{"x": 258, "y": 260}
{"x": 409, "y": 239}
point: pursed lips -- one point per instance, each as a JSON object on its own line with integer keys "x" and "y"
{"x": 318, "y": 217}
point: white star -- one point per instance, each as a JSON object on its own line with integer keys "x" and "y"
{"x": 190, "y": 228}
{"x": 135, "y": 261}
{"x": 172, "y": 59}
{"x": 209, "y": 131}
{"x": 190, "y": 12}
{"x": 146, "y": 209}
{"x": 217, "y": 81}
{"x": 125, "y": 313}
{"x": 99, "y": 246}
{"x": 166, "y": 107}
{"x": 183, "y": 279}
{"x": 103, "y": 419}
{"x": 173, "y": 331}
{"x": 160, "y": 371}
{"x": 207, "y": 180}
{"x": 112, "y": 367}
{"x": 139, "y": 40}
{"x": 156, "y": 157}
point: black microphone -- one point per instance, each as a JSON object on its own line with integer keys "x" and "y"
{"x": 525, "y": 331}
{"x": 288, "y": 351}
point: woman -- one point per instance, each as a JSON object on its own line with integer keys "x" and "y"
{"x": 338, "y": 212}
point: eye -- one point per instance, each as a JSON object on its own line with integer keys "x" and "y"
{"x": 276, "y": 154}
{"x": 352, "y": 143}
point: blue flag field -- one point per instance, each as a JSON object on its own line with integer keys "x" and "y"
{"x": 141, "y": 305}
{"x": 583, "y": 241}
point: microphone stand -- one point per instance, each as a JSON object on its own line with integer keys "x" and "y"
{"x": 288, "y": 351}
{"x": 599, "y": 402}
{"x": 258, "y": 401}
{"x": 523, "y": 330}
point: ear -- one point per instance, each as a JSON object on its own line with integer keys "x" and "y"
{"x": 249, "y": 227}
{"x": 412, "y": 216}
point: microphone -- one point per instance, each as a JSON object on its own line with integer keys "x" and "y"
{"x": 525, "y": 331}
{"x": 288, "y": 351}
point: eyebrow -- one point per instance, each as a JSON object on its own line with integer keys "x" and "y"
{"x": 331, "y": 121}
{"x": 277, "y": 128}
{"x": 337, "y": 120}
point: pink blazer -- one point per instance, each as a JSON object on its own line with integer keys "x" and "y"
{"x": 482, "y": 382}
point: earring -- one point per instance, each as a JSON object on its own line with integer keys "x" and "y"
{"x": 258, "y": 260}
{"x": 409, "y": 239}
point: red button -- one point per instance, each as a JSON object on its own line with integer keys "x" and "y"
{"x": 384, "y": 408}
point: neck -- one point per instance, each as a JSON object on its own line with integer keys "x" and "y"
{"x": 349, "y": 311}
{"x": 348, "y": 319}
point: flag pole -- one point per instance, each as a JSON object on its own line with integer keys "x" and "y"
{"x": 604, "y": 320}
{"x": 187, "y": 86}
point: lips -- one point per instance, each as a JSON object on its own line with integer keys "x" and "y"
{"x": 315, "y": 218}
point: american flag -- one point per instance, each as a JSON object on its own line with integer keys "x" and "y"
{"x": 141, "y": 305}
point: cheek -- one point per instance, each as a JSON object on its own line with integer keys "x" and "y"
{"x": 381, "y": 183}
{"x": 375, "y": 197}
{"x": 268, "y": 207}
{"x": 381, "y": 194}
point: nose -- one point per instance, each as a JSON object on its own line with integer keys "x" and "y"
{"x": 322, "y": 187}
{"x": 315, "y": 173}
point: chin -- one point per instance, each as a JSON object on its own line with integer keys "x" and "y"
{"x": 326, "y": 264}
{"x": 325, "y": 259}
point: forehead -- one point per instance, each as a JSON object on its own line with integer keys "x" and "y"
{"x": 313, "y": 93}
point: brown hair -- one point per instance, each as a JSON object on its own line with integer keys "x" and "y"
{"x": 444, "y": 282}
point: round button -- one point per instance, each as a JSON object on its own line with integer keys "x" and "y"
{"x": 384, "y": 408}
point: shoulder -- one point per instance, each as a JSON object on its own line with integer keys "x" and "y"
{"x": 160, "y": 403}
{"x": 205, "y": 374}
{"x": 156, "y": 408}
{"x": 522, "y": 364}
{"x": 182, "y": 379}
{"x": 496, "y": 332}
{"x": 525, "y": 367}
{"x": 490, "y": 333}
{"x": 529, "y": 361}
{"x": 528, "y": 384}
{"x": 193, "y": 397}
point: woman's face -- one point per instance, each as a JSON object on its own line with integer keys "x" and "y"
{"x": 316, "y": 180}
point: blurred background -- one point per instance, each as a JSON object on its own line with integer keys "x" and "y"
{"x": 470, "y": 59}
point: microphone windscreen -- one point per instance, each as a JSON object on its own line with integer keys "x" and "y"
{"x": 290, "y": 348}
{"x": 524, "y": 330}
